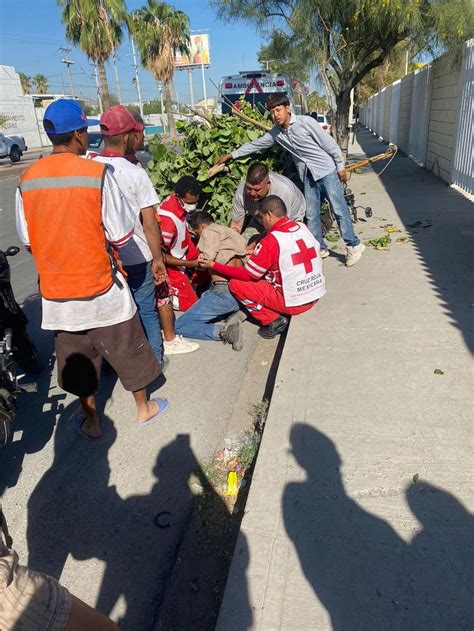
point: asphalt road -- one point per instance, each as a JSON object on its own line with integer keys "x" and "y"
{"x": 23, "y": 271}
{"x": 107, "y": 518}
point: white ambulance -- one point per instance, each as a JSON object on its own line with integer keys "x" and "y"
{"x": 256, "y": 86}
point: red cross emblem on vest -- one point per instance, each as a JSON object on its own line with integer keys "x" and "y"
{"x": 304, "y": 256}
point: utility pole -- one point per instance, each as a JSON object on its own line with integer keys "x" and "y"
{"x": 136, "y": 79}
{"x": 191, "y": 89}
{"x": 66, "y": 50}
{"x": 99, "y": 97}
{"x": 267, "y": 63}
{"x": 117, "y": 82}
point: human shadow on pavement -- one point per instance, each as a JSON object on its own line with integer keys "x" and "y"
{"x": 75, "y": 511}
{"x": 439, "y": 220}
{"x": 365, "y": 575}
{"x": 37, "y": 413}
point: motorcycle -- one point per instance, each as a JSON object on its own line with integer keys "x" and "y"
{"x": 15, "y": 344}
{"x": 12, "y": 317}
{"x": 9, "y": 388}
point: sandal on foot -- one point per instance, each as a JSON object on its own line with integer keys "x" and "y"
{"x": 162, "y": 407}
{"x": 77, "y": 426}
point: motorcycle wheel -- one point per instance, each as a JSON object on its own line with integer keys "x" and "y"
{"x": 25, "y": 353}
{"x": 6, "y": 424}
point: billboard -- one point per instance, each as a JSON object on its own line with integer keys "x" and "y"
{"x": 199, "y": 52}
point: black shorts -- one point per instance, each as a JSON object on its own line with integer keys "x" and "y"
{"x": 79, "y": 357}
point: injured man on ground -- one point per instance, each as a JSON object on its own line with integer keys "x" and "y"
{"x": 216, "y": 315}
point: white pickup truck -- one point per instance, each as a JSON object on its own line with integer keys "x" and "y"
{"x": 12, "y": 147}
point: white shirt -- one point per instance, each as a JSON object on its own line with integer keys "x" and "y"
{"x": 117, "y": 304}
{"x": 140, "y": 193}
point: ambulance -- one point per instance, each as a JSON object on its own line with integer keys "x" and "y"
{"x": 256, "y": 86}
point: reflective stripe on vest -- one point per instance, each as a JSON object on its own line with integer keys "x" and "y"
{"x": 180, "y": 247}
{"x": 67, "y": 181}
{"x": 300, "y": 266}
{"x": 62, "y": 201}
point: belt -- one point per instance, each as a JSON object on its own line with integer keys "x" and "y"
{"x": 218, "y": 284}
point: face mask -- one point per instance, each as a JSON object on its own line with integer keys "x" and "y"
{"x": 189, "y": 207}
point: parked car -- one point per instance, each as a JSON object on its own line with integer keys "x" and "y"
{"x": 324, "y": 122}
{"x": 96, "y": 145}
{"x": 12, "y": 147}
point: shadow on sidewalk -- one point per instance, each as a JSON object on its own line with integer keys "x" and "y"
{"x": 441, "y": 224}
{"x": 75, "y": 511}
{"x": 37, "y": 413}
{"x": 366, "y": 576}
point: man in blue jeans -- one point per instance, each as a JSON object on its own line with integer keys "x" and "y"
{"x": 320, "y": 166}
{"x": 203, "y": 320}
{"x": 142, "y": 256}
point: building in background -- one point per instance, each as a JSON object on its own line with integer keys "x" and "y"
{"x": 18, "y": 108}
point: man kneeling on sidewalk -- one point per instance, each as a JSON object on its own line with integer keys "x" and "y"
{"x": 201, "y": 321}
{"x": 283, "y": 277}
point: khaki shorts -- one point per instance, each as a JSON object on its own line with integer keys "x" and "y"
{"x": 30, "y": 601}
{"x": 124, "y": 346}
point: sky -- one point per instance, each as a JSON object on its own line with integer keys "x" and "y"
{"x": 31, "y": 34}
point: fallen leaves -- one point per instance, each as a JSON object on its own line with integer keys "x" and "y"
{"x": 380, "y": 243}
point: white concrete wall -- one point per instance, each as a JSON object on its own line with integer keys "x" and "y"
{"x": 463, "y": 163}
{"x": 443, "y": 117}
{"x": 404, "y": 117}
{"x": 420, "y": 114}
{"x": 18, "y": 108}
{"x": 433, "y": 116}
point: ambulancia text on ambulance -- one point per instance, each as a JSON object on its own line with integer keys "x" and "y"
{"x": 255, "y": 86}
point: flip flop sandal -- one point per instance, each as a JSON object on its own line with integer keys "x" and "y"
{"x": 162, "y": 407}
{"x": 77, "y": 426}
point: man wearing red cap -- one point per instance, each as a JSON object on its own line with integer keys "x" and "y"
{"x": 72, "y": 215}
{"x": 142, "y": 256}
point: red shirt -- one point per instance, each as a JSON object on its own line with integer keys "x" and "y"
{"x": 168, "y": 227}
{"x": 263, "y": 262}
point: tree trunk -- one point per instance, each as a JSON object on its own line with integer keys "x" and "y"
{"x": 343, "y": 104}
{"x": 104, "y": 86}
{"x": 169, "y": 108}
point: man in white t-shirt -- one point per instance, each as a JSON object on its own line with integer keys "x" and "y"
{"x": 259, "y": 183}
{"x": 71, "y": 215}
{"x": 142, "y": 256}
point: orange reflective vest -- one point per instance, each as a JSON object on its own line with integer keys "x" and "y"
{"x": 62, "y": 201}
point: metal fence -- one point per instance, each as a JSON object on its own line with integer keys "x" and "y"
{"x": 429, "y": 115}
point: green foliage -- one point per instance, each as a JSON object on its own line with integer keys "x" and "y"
{"x": 160, "y": 31}
{"x": 197, "y": 151}
{"x": 25, "y": 81}
{"x": 345, "y": 39}
{"x": 317, "y": 103}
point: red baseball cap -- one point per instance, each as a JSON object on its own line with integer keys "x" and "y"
{"x": 118, "y": 120}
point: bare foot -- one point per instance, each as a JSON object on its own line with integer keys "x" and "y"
{"x": 152, "y": 408}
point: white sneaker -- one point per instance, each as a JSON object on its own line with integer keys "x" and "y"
{"x": 353, "y": 254}
{"x": 179, "y": 346}
{"x": 324, "y": 254}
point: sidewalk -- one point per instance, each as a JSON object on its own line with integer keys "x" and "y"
{"x": 357, "y": 517}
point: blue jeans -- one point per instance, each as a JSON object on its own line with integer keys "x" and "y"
{"x": 140, "y": 281}
{"x": 330, "y": 187}
{"x": 199, "y": 321}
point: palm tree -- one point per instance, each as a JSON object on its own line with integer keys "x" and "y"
{"x": 41, "y": 83}
{"x": 25, "y": 81}
{"x": 96, "y": 26}
{"x": 160, "y": 31}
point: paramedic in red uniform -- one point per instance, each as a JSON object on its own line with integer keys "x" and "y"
{"x": 283, "y": 277}
{"x": 181, "y": 253}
